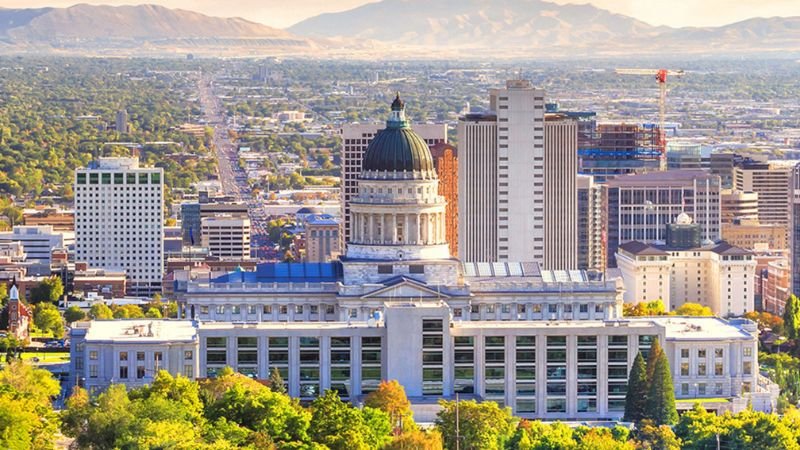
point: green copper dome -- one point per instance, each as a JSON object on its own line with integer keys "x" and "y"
{"x": 397, "y": 148}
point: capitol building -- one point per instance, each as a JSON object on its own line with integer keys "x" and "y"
{"x": 397, "y": 305}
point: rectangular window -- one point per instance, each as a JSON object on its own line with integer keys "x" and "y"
{"x": 556, "y": 405}
{"x": 93, "y": 371}
{"x": 416, "y": 268}
{"x": 123, "y": 372}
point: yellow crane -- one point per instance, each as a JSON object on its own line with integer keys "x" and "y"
{"x": 660, "y": 76}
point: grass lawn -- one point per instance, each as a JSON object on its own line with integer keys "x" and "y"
{"x": 41, "y": 334}
{"x": 703, "y": 400}
{"x": 56, "y": 357}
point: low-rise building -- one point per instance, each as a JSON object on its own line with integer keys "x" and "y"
{"x": 717, "y": 275}
{"x": 752, "y": 234}
{"x": 131, "y": 352}
{"x": 104, "y": 282}
{"x": 321, "y": 238}
{"x": 226, "y": 236}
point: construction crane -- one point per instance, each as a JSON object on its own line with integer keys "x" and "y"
{"x": 661, "y": 78}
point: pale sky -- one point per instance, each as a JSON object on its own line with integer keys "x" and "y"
{"x": 282, "y": 13}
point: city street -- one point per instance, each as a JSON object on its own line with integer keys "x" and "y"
{"x": 232, "y": 178}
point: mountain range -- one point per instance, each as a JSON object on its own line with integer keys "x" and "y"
{"x": 400, "y": 28}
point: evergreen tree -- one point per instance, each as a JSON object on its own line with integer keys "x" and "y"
{"x": 655, "y": 352}
{"x": 276, "y": 382}
{"x": 661, "y": 394}
{"x": 636, "y": 398}
{"x": 791, "y": 317}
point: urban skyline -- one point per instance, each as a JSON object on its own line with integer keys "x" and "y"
{"x": 217, "y": 234}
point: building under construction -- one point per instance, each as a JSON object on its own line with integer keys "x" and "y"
{"x": 620, "y": 148}
{"x": 607, "y": 149}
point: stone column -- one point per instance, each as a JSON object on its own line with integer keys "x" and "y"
{"x": 406, "y": 230}
{"x": 417, "y": 230}
{"x": 371, "y": 230}
{"x": 393, "y": 234}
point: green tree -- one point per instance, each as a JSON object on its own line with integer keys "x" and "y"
{"x": 661, "y": 394}
{"x": 74, "y": 314}
{"x": 13, "y": 215}
{"x": 483, "y": 426}
{"x": 27, "y": 419}
{"x": 276, "y": 382}
{"x": 340, "y": 426}
{"x": 100, "y": 311}
{"x": 791, "y": 317}
{"x": 99, "y": 423}
{"x": 636, "y": 397}
{"x": 49, "y": 290}
{"x": 47, "y": 318}
{"x": 651, "y": 437}
{"x": 693, "y": 309}
{"x": 256, "y": 407}
{"x": 655, "y": 352}
{"x": 127, "y": 312}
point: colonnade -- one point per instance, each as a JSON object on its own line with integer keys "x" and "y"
{"x": 398, "y": 228}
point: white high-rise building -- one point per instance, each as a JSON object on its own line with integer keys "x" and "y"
{"x": 355, "y": 140}
{"x": 560, "y": 193}
{"x": 477, "y": 186}
{"x": 520, "y": 171}
{"x": 119, "y": 212}
{"x": 517, "y": 192}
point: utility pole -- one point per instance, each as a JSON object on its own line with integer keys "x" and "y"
{"x": 458, "y": 437}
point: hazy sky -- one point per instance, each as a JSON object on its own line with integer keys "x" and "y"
{"x": 282, "y": 13}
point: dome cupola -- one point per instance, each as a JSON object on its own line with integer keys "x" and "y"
{"x": 397, "y": 151}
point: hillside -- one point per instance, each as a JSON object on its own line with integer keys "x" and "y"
{"x": 518, "y": 27}
{"x": 135, "y": 30}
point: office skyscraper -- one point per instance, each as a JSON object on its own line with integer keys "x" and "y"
{"x": 771, "y": 181}
{"x": 560, "y": 193}
{"x": 119, "y": 212}
{"x": 445, "y": 161}
{"x": 794, "y": 230}
{"x": 477, "y": 186}
{"x": 517, "y": 170}
{"x": 591, "y": 222}
{"x": 639, "y": 207}
{"x": 121, "y": 123}
{"x": 355, "y": 140}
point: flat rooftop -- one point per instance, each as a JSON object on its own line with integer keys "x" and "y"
{"x": 141, "y": 331}
{"x": 699, "y": 328}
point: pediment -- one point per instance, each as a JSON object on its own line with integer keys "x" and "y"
{"x": 405, "y": 288}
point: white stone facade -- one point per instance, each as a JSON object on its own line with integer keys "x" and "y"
{"x": 119, "y": 215}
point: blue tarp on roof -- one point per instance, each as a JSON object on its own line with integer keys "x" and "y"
{"x": 284, "y": 273}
